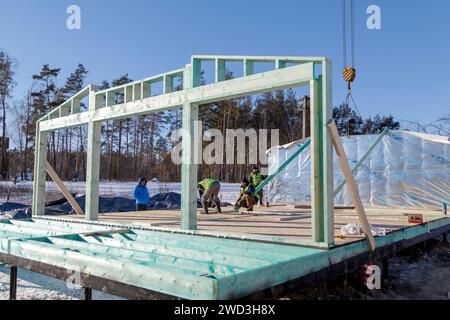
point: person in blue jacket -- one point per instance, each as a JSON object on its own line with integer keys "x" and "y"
{"x": 141, "y": 195}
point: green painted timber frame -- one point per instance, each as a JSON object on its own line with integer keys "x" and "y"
{"x": 137, "y": 260}
{"x": 187, "y": 262}
{"x": 137, "y": 99}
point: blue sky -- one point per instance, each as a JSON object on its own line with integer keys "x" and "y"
{"x": 403, "y": 69}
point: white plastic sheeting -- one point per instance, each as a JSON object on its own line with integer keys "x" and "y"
{"x": 406, "y": 169}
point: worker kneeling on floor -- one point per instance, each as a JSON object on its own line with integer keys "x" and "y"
{"x": 247, "y": 198}
{"x": 208, "y": 190}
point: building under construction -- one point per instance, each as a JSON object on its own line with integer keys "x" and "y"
{"x": 179, "y": 254}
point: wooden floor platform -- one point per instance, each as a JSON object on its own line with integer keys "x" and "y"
{"x": 277, "y": 223}
{"x": 233, "y": 255}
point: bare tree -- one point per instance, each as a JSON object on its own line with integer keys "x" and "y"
{"x": 7, "y": 84}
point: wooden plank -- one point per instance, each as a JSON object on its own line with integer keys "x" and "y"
{"x": 353, "y": 188}
{"x": 292, "y": 59}
{"x": 219, "y": 70}
{"x": 325, "y": 96}
{"x": 93, "y": 170}
{"x": 189, "y": 166}
{"x": 235, "y": 88}
{"x": 52, "y": 173}
{"x": 128, "y": 252}
{"x": 189, "y": 170}
{"x": 39, "y": 175}
{"x": 249, "y": 68}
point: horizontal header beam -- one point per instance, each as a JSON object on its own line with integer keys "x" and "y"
{"x": 262, "y": 82}
{"x": 261, "y": 58}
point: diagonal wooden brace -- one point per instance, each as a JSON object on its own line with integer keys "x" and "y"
{"x": 52, "y": 173}
{"x": 353, "y": 188}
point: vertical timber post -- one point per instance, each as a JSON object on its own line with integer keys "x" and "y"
{"x": 328, "y": 162}
{"x": 249, "y": 68}
{"x": 87, "y": 294}
{"x": 13, "y": 283}
{"x": 189, "y": 165}
{"x": 322, "y": 158}
{"x": 39, "y": 175}
{"x": 93, "y": 164}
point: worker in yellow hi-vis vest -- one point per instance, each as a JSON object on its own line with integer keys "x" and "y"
{"x": 247, "y": 197}
{"x": 208, "y": 190}
{"x": 256, "y": 178}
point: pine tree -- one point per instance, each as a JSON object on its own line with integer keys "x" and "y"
{"x": 74, "y": 84}
{"x": 46, "y": 99}
{"x": 348, "y": 121}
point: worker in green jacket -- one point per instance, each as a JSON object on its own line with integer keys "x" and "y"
{"x": 247, "y": 197}
{"x": 256, "y": 178}
{"x": 208, "y": 190}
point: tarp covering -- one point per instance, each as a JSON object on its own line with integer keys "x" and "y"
{"x": 406, "y": 169}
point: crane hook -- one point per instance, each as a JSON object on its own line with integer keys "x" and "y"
{"x": 349, "y": 75}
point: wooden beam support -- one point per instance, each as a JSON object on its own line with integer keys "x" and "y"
{"x": 219, "y": 70}
{"x": 39, "y": 176}
{"x": 93, "y": 170}
{"x": 196, "y": 74}
{"x": 279, "y": 64}
{"x": 353, "y": 188}
{"x": 13, "y": 283}
{"x": 234, "y": 88}
{"x": 189, "y": 164}
{"x": 326, "y": 100}
{"x": 322, "y": 160}
{"x": 94, "y": 138}
{"x": 52, "y": 173}
{"x": 87, "y": 294}
{"x": 248, "y": 68}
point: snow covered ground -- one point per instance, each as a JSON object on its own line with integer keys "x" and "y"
{"x": 33, "y": 286}
{"x": 229, "y": 191}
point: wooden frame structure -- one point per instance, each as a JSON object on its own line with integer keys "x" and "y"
{"x": 137, "y": 100}
{"x": 134, "y": 261}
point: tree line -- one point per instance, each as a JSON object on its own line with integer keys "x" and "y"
{"x": 141, "y": 145}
